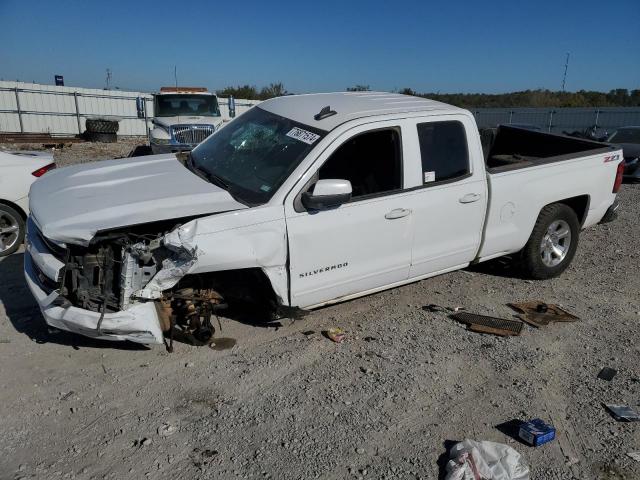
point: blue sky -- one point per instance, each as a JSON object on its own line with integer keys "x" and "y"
{"x": 444, "y": 46}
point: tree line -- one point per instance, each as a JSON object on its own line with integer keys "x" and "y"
{"x": 619, "y": 97}
{"x": 250, "y": 92}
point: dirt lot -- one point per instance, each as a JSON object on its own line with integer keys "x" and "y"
{"x": 386, "y": 403}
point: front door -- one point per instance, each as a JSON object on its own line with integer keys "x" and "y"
{"x": 364, "y": 244}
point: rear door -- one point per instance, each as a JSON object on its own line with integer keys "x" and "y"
{"x": 363, "y": 244}
{"x": 449, "y": 207}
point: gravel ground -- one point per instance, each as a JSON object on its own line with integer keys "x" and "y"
{"x": 386, "y": 403}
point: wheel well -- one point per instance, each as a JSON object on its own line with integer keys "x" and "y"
{"x": 580, "y": 205}
{"x": 247, "y": 285}
{"x": 15, "y": 207}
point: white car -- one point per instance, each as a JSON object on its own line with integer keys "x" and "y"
{"x": 18, "y": 170}
{"x": 301, "y": 202}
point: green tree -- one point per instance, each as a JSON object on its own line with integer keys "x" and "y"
{"x": 273, "y": 90}
{"x": 246, "y": 92}
{"x": 359, "y": 88}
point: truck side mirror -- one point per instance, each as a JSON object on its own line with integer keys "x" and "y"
{"x": 232, "y": 106}
{"x": 140, "y": 107}
{"x": 328, "y": 193}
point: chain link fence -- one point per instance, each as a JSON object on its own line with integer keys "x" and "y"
{"x": 558, "y": 120}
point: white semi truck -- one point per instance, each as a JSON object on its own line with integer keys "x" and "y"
{"x": 183, "y": 117}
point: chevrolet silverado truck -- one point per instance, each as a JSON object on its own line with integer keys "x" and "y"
{"x": 301, "y": 202}
{"x": 183, "y": 117}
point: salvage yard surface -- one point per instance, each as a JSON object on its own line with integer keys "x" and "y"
{"x": 287, "y": 403}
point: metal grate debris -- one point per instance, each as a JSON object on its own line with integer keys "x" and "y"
{"x": 539, "y": 314}
{"x": 486, "y": 324}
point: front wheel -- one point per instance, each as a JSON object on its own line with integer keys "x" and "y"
{"x": 552, "y": 243}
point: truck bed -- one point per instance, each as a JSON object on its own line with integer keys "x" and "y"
{"x": 509, "y": 148}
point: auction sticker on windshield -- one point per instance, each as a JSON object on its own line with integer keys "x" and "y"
{"x": 303, "y": 135}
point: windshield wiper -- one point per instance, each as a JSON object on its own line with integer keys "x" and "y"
{"x": 206, "y": 175}
{"x": 217, "y": 180}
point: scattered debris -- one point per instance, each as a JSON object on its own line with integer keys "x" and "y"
{"x": 166, "y": 430}
{"x": 623, "y": 413}
{"x": 607, "y": 374}
{"x": 66, "y": 396}
{"x": 539, "y": 314}
{"x": 485, "y": 460}
{"x": 432, "y": 307}
{"x": 536, "y": 432}
{"x": 335, "y": 334}
{"x": 145, "y": 442}
{"x": 634, "y": 455}
{"x": 486, "y": 324}
{"x": 308, "y": 333}
{"x": 222, "y": 343}
{"x": 189, "y": 365}
{"x": 369, "y": 339}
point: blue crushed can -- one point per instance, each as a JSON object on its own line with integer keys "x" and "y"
{"x": 535, "y": 432}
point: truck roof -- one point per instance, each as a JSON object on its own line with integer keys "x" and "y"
{"x": 349, "y": 106}
{"x": 184, "y": 90}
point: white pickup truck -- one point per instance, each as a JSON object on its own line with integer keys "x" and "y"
{"x": 305, "y": 201}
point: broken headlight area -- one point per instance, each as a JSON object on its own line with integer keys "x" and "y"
{"x": 119, "y": 269}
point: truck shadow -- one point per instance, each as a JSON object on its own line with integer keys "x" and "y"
{"x": 499, "y": 267}
{"x": 22, "y": 311}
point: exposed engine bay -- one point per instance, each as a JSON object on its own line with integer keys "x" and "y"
{"x": 123, "y": 268}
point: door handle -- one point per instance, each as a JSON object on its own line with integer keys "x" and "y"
{"x": 470, "y": 198}
{"x": 397, "y": 213}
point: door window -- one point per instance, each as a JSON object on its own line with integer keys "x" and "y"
{"x": 371, "y": 161}
{"x": 444, "y": 152}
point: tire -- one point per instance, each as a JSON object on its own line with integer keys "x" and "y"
{"x": 11, "y": 230}
{"x": 101, "y": 126}
{"x": 552, "y": 244}
{"x": 100, "y": 137}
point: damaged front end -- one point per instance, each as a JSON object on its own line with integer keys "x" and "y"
{"x": 121, "y": 286}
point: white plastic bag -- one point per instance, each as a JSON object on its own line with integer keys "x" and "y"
{"x": 471, "y": 460}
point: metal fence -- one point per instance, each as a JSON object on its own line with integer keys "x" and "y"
{"x": 558, "y": 120}
{"x": 36, "y": 108}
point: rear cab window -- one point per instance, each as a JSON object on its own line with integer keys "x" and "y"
{"x": 444, "y": 152}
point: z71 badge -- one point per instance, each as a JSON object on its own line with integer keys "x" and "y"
{"x": 612, "y": 158}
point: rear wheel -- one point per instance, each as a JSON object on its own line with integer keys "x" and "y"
{"x": 553, "y": 242}
{"x": 11, "y": 230}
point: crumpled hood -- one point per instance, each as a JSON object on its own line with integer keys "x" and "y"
{"x": 71, "y": 204}
{"x": 166, "y": 122}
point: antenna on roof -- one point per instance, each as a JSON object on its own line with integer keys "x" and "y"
{"x": 324, "y": 113}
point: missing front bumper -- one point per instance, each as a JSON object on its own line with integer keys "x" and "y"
{"x": 139, "y": 323}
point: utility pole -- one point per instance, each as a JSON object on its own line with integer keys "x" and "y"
{"x": 108, "y": 80}
{"x": 566, "y": 67}
{"x": 175, "y": 75}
